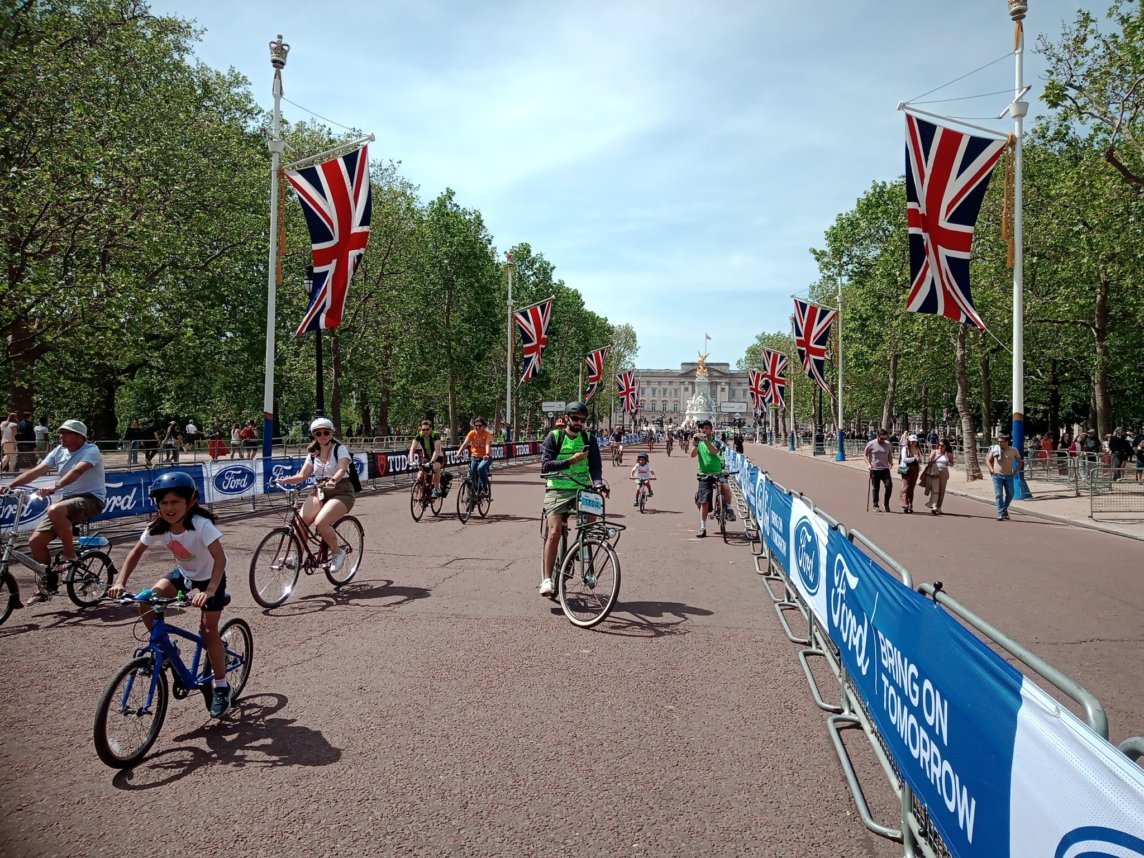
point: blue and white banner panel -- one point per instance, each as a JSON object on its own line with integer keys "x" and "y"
{"x": 227, "y": 480}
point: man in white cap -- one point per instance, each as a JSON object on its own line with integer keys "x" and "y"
{"x": 79, "y": 491}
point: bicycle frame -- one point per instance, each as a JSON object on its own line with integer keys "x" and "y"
{"x": 163, "y": 649}
{"x": 307, "y": 537}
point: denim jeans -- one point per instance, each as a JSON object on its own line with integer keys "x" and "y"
{"x": 1002, "y": 492}
{"x": 479, "y": 469}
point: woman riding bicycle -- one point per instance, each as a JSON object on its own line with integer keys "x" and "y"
{"x": 329, "y": 461}
{"x": 479, "y": 443}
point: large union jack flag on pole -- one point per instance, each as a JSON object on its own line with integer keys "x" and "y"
{"x": 811, "y": 334}
{"x": 947, "y": 174}
{"x": 595, "y": 363}
{"x": 759, "y": 385}
{"x": 628, "y": 390}
{"x": 335, "y": 196}
{"x": 774, "y": 374}
{"x": 533, "y": 323}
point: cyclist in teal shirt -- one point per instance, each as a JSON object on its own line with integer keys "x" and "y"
{"x": 574, "y": 451}
{"x": 709, "y": 451}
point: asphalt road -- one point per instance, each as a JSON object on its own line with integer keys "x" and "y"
{"x": 438, "y": 705}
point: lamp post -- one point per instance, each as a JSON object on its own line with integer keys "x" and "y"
{"x": 320, "y": 397}
{"x": 278, "y": 53}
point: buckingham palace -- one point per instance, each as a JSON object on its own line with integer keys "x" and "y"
{"x": 664, "y": 392}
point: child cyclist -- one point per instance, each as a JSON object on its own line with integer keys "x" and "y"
{"x": 189, "y": 531}
{"x": 642, "y": 473}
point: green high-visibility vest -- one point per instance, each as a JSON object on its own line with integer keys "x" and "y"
{"x": 569, "y": 447}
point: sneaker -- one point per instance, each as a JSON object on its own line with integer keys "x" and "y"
{"x": 220, "y": 700}
{"x": 635, "y": 502}
{"x": 877, "y": 508}
{"x": 702, "y": 532}
{"x": 436, "y": 493}
{"x": 730, "y": 514}
{"x": 38, "y": 598}
{"x": 337, "y": 562}
{"x": 290, "y": 562}
{"x": 1004, "y": 516}
{"x": 546, "y": 587}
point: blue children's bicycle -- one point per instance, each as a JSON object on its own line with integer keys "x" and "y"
{"x": 134, "y": 704}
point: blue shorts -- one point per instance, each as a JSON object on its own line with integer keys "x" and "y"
{"x": 184, "y": 585}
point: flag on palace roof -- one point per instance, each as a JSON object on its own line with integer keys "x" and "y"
{"x": 811, "y": 334}
{"x": 336, "y": 199}
{"x": 595, "y": 362}
{"x": 533, "y": 323}
{"x": 947, "y": 174}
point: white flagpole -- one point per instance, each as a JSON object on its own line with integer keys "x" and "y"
{"x": 278, "y": 52}
{"x": 1018, "y": 109}
{"x": 790, "y": 375}
{"x": 841, "y": 455}
{"x": 508, "y": 361}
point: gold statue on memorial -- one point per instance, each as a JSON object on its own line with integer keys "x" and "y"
{"x": 701, "y": 370}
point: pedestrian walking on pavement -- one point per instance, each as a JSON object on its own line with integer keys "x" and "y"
{"x": 910, "y": 459}
{"x": 879, "y": 453}
{"x": 1004, "y": 462}
{"x": 937, "y": 473}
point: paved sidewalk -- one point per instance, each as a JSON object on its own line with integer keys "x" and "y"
{"x": 1050, "y": 500}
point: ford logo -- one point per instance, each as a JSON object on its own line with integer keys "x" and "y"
{"x": 1099, "y": 842}
{"x": 234, "y": 480}
{"x": 806, "y": 555}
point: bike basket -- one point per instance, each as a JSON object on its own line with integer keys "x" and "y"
{"x": 591, "y": 503}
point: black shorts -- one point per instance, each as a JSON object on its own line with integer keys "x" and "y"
{"x": 707, "y": 483}
{"x": 184, "y": 585}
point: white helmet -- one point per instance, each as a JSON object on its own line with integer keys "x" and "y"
{"x": 321, "y": 423}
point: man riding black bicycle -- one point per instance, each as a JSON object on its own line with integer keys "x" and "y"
{"x": 709, "y": 451}
{"x": 573, "y": 452}
{"x": 427, "y": 448}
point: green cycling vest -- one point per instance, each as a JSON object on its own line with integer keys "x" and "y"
{"x": 569, "y": 448}
{"x": 709, "y": 463}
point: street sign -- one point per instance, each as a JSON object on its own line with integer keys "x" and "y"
{"x": 733, "y": 407}
{"x": 553, "y": 407}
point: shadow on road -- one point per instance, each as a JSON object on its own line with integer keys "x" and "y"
{"x": 650, "y": 619}
{"x": 101, "y": 614}
{"x": 349, "y": 595}
{"x": 9, "y": 631}
{"x": 245, "y": 737}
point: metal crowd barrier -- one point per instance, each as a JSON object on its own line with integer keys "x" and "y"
{"x": 1113, "y": 491}
{"x": 913, "y": 829}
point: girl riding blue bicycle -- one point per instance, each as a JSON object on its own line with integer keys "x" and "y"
{"x": 189, "y": 531}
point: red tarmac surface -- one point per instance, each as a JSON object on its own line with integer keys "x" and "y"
{"x": 437, "y": 705}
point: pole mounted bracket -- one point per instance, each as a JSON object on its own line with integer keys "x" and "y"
{"x": 276, "y": 147}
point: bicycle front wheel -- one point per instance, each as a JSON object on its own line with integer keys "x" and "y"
{"x": 274, "y": 567}
{"x": 89, "y": 577}
{"x": 351, "y": 540}
{"x": 9, "y": 595}
{"x": 416, "y": 500}
{"x": 589, "y": 582}
{"x": 465, "y": 501}
{"x": 125, "y": 726}
{"x": 643, "y": 501}
{"x": 239, "y": 642}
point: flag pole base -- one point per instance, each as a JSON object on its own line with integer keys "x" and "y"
{"x": 1021, "y": 488}
{"x": 791, "y": 447}
{"x": 841, "y": 456}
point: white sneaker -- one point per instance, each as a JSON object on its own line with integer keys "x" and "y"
{"x": 337, "y": 562}
{"x": 546, "y": 588}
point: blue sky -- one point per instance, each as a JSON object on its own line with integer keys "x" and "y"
{"x": 674, "y": 161}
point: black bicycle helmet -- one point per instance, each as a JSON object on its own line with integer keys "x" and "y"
{"x": 180, "y": 482}
{"x": 576, "y": 407}
{"x": 642, "y": 454}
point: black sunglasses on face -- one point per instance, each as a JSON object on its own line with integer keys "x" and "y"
{"x": 319, "y": 433}
{"x": 575, "y": 418}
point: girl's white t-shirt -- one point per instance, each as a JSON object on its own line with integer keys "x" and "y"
{"x": 191, "y": 547}
{"x": 643, "y": 472}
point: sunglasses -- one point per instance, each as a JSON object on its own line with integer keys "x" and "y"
{"x": 321, "y": 433}
{"x": 574, "y": 418}
{"x": 479, "y": 425}
{"x": 426, "y": 428}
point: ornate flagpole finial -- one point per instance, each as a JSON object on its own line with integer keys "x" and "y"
{"x": 1018, "y": 9}
{"x": 278, "y": 51}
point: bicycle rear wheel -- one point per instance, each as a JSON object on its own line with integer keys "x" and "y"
{"x": 89, "y": 577}
{"x": 351, "y": 539}
{"x": 239, "y": 642}
{"x": 484, "y": 501}
{"x": 589, "y": 582}
{"x": 416, "y": 500}
{"x": 274, "y": 567}
{"x": 9, "y": 595}
{"x": 125, "y": 728}
{"x": 720, "y": 513}
{"x": 465, "y": 501}
{"x": 436, "y": 503}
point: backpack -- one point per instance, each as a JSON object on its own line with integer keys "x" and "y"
{"x": 355, "y": 480}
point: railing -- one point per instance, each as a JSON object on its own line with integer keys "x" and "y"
{"x": 1115, "y": 492}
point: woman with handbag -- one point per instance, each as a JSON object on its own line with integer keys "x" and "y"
{"x": 909, "y": 464}
{"x": 937, "y": 472}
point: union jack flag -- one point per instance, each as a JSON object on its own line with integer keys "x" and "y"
{"x": 947, "y": 174}
{"x": 811, "y": 333}
{"x": 595, "y": 361}
{"x": 336, "y": 199}
{"x": 533, "y": 323}
{"x": 774, "y": 374}
{"x": 627, "y": 388}
{"x": 759, "y": 388}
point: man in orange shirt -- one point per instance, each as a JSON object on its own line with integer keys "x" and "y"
{"x": 479, "y": 443}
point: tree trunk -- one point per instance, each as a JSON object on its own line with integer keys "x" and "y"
{"x": 336, "y": 382}
{"x": 22, "y": 353}
{"x": 986, "y": 391}
{"x": 968, "y": 435}
{"x": 1100, "y": 393}
{"x": 366, "y": 414}
{"x": 891, "y": 391}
